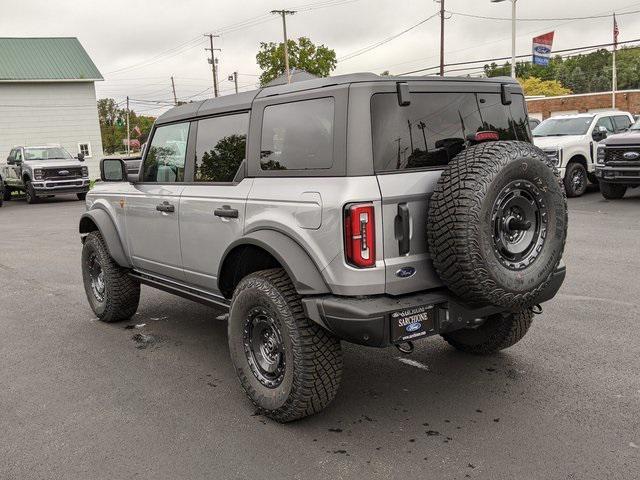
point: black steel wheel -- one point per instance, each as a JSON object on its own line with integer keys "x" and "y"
{"x": 519, "y": 219}
{"x": 30, "y": 193}
{"x": 612, "y": 191}
{"x": 575, "y": 180}
{"x": 288, "y": 366}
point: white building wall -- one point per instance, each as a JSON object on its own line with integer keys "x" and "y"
{"x": 39, "y": 113}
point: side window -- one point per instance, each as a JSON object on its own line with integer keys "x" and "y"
{"x": 18, "y": 155}
{"x": 298, "y": 135}
{"x": 621, "y": 122}
{"x": 606, "y": 123}
{"x": 165, "y": 161}
{"x": 220, "y": 148}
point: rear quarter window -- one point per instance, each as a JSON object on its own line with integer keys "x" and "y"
{"x": 298, "y": 135}
{"x": 433, "y": 129}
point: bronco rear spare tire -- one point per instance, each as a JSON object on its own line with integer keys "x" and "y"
{"x": 497, "y": 224}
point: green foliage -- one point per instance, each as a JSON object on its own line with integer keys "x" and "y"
{"x": 536, "y": 86}
{"x": 113, "y": 125}
{"x": 221, "y": 163}
{"x": 582, "y": 73}
{"x": 303, "y": 55}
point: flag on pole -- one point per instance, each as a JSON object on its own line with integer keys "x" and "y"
{"x": 616, "y": 31}
{"x": 542, "y": 49}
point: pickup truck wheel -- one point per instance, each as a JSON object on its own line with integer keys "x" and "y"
{"x": 112, "y": 293}
{"x": 612, "y": 191}
{"x": 82, "y": 196}
{"x": 288, "y": 365}
{"x": 497, "y": 224}
{"x": 498, "y": 332}
{"x": 30, "y": 193}
{"x": 6, "y": 195}
{"x": 575, "y": 180}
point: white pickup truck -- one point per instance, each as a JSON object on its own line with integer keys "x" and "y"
{"x": 571, "y": 142}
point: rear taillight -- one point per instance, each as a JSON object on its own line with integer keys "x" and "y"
{"x": 360, "y": 235}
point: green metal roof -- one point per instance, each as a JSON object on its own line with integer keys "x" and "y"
{"x": 48, "y": 59}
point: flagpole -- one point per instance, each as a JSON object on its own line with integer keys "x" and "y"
{"x": 614, "y": 74}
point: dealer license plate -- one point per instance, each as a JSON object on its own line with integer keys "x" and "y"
{"x": 412, "y": 323}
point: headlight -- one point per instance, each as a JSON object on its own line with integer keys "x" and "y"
{"x": 554, "y": 155}
{"x": 601, "y": 155}
{"x": 37, "y": 174}
{"x": 85, "y": 172}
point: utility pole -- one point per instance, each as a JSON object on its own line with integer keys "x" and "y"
{"x": 128, "y": 132}
{"x": 614, "y": 72}
{"x": 284, "y": 14}
{"x": 513, "y": 34}
{"x": 234, "y": 78}
{"x": 213, "y": 62}
{"x": 441, "y": 37}
{"x": 173, "y": 87}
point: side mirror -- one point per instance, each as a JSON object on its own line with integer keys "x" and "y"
{"x": 81, "y": 157}
{"x": 599, "y": 133}
{"x": 113, "y": 170}
{"x": 9, "y": 161}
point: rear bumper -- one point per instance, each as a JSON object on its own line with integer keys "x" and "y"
{"x": 623, "y": 175}
{"x": 366, "y": 320}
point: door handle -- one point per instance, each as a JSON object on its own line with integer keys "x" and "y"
{"x": 402, "y": 229}
{"x": 226, "y": 212}
{"x": 166, "y": 207}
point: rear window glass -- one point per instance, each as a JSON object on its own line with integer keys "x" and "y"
{"x": 434, "y": 128}
{"x": 298, "y": 135}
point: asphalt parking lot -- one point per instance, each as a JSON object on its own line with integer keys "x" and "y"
{"x": 80, "y": 399}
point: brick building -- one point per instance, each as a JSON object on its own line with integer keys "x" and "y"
{"x": 545, "y": 107}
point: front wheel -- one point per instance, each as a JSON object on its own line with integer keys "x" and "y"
{"x": 113, "y": 295}
{"x": 289, "y": 366}
{"x": 30, "y": 193}
{"x": 6, "y": 195}
{"x": 575, "y": 180}
{"x": 498, "y": 332}
{"x": 612, "y": 191}
{"x": 82, "y": 196}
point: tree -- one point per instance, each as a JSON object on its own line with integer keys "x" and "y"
{"x": 303, "y": 55}
{"x": 548, "y": 88}
{"x": 113, "y": 125}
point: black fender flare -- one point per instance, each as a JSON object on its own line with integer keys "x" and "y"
{"x": 107, "y": 229}
{"x": 303, "y": 272}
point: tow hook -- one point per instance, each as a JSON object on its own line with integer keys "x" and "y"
{"x": 536, "y": 309}
{"x": 405, "y": 347}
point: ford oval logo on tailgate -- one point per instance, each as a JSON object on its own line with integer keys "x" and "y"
{"x": 406, "y": 272}
{"x": 412, "y": 327}
{"x": 631, "y": 155}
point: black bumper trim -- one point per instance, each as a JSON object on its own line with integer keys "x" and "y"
{"x": 365, "y": 320}
{"x": 619, "y": 175}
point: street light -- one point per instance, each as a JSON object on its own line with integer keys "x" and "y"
{"x": 513, "y": 34}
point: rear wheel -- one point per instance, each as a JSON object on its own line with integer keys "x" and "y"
{"x": 82, "y": 196}
{"x": 30, "y": 193}
{"x": 575, "y": 180}
{"x": 498, "y": 332}
{"x": 289, "y": 366}
{"x": 497, "y": 224}
{"x": 612, "y": 191}
{"x": 113, "y": 295}
{"x": 6, "y": 195}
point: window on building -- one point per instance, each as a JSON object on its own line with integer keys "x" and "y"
{"x": 165, "y": 161}
{"x": 298, "y": 135}
{"x": 220, "y": 148}
{"x": 85, "y": 149}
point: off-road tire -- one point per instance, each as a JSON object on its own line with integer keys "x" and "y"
{"x": 461, "y": 227}
{"x": 82, "y": 196}
{"x": 499, "y": 331}
{"x": 312, "y": 355}
{"x": 572, "y": 189}
{"x": 30, "y": 193}
{"x": 612, "y": 191}
{"x": 122, "y": 293}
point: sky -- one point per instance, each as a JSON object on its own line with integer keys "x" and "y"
{"x": 138, "y": 46}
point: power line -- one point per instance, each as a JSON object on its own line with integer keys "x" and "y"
{"x": 519, "y": 19}
{"x": 602, "y": 45}
{"x": 386, "y": 40}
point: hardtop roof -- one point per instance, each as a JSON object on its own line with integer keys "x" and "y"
{"x": 243, "y": 100}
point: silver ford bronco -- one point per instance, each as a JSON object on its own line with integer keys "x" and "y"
{"x": 374, "y": 210}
